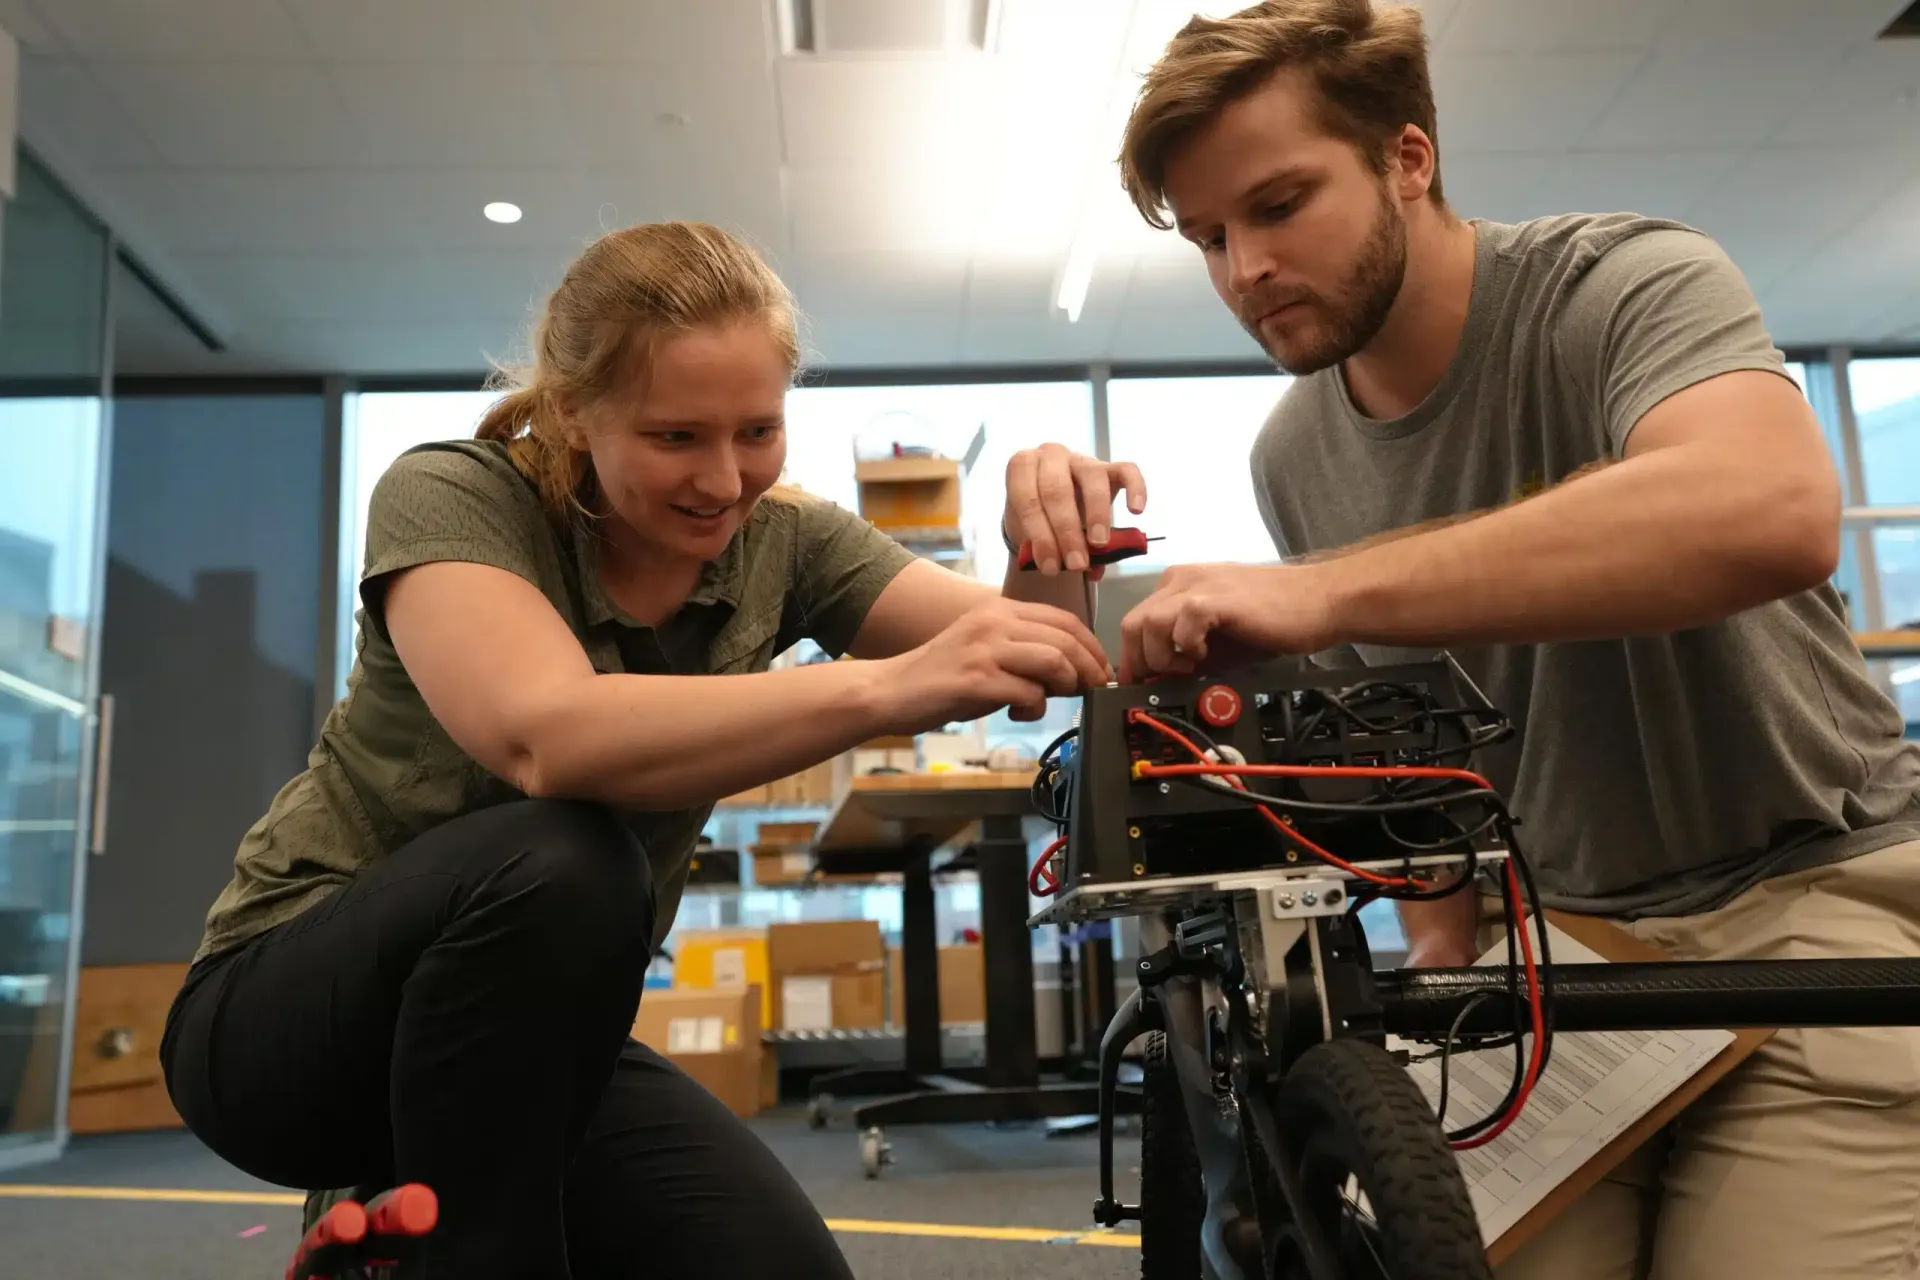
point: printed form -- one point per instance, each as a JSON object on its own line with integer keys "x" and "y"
{"x": 1598, "y": 1083}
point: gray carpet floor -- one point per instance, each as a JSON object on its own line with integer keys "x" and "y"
{"x": 965, "y": 1175}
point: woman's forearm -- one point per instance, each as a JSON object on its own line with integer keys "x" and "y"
{"x": 669, "y": 742}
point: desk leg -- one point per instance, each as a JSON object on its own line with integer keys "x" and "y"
{"x": 1012, "y": 1056}
{"x": 920, "y": 965}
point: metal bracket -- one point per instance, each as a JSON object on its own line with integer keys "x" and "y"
{"x": 1324, "y": 896}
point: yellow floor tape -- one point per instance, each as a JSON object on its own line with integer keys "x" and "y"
{"x": 849, "y": 1226}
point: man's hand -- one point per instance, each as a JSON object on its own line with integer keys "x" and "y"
{"x": 1208, "y": 617}
{"x": 1062, "y": 502}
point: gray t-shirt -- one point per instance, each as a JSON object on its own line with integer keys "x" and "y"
{"x": 1652, "y": 776}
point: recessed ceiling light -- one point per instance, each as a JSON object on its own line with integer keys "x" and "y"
{"x": 502, "y": 211}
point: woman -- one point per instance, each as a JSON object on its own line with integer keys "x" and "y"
{"x": 429, "y": 958}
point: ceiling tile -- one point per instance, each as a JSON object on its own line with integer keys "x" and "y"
{"x": 869, "y": 210}
{"x": 625, "y": 115}
{"x": 372, "y": 211}
{"x": 1778, "y": 206}
{"x": 444, "y": 114}
{"x": 1011, "y": 317}
{"x": 918, "y": 111}
{"x": 419, "y": 30}
{"x": 60, "y": 97}
{"x": 378, "y": 346}
{"x": 1476, "y": 96}
{"x": 1663, "y": 184}
{"x": 436, "y": 287}
{"x": 205, "y": 29}
{"x": 1534, "y": 26}
{"x": 741, "y": 199}
{"x": 1873, "y": 96}
{"x": 19, "y": 19}
{"x": 713, "y": 32}
{"x": 880, "y": 308}
{"x": 1809, "y": 26}
{"x": 1505, "y": 186}
{"x": 291, "y": 117}
{"x": 1714, "y": 97}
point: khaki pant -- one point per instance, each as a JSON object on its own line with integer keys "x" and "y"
{"x": 1805, "y": 1161}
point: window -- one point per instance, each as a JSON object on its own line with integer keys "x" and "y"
{"x": 1886, "y": 412}
{"x": 1192, "y": 438}
{"x": 828, "y": 426}
{"x": 380, "y": 426}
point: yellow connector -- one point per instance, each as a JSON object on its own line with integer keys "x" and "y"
{"x": 1139, "y": 770}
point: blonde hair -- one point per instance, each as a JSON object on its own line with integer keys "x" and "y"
{"x": 1368, "y": 66}
{"x": 594, "y": 336}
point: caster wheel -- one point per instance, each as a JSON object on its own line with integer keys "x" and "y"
{"x": 875, "y": 1152}
{"x": 819, "y": 1110}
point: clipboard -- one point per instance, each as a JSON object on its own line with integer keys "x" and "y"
{"x": 1617, "y": 945}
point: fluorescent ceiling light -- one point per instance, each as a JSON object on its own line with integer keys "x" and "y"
{"x": 502, "y": 211}
{"x": 1907, "y": 675}
{"x": 1077, "y": 276}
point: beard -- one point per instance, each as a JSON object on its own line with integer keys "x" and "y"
{"x": 1346, "y": 322}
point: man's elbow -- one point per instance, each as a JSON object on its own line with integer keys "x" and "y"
{"x": 1800, "y": 533}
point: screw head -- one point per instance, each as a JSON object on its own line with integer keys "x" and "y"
{"x": 1309, "y": 898}
{"x": 1153, "y": 699}
{"x": 1165, "y": 788}
{"x": 1285, "y": 900}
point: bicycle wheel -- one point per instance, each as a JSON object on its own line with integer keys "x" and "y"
{"x": 1172, "y": 1201}
{"x": 1375, "y": 1170}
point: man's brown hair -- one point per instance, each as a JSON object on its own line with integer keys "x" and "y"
{"x": 1368, "y": 65}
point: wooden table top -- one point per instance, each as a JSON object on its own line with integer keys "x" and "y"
{"x": 1889, "y": 644}
{"x": 887, "y": 810}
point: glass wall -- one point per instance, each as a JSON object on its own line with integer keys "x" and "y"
{"x": 213, "y": 602}
{"x": 52, "y": 424}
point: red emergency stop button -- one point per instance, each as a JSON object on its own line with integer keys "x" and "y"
{"x": 1219, "y": 705}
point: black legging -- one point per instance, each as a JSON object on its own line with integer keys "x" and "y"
{"x": 458, "y": 1015}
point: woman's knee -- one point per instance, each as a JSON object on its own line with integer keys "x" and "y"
{"x": 575, "y": 874}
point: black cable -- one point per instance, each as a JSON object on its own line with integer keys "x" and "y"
{"x": 1520, "y": 1025}
{"x": 1446, "y": 1050}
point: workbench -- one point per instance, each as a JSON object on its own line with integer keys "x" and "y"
{"x": 897, "y": 821}
{"x": 1889, "y": 644}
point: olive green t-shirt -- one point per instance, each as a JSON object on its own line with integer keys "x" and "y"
{"x": 384, "y": 770}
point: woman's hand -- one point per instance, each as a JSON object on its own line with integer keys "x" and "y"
{"x": 1003, "y": 653}
{"x": 1208, "y": 617}
{"x": 1062, "y": 502}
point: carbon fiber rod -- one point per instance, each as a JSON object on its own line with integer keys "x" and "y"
{"x": 1680, "y": 995}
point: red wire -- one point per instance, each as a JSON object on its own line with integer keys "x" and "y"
{"x": 1231, "y": 773}
{"x": 1034, "y": 882}
{"x": 1539, "y": 1031}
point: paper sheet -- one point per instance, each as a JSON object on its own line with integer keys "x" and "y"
{"x": 1598, "y": 1084}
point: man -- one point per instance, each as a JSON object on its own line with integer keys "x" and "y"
{"x": 1568, "y": 452}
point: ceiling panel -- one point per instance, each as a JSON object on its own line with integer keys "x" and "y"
{"x": 19, "y": 19}
{"x": 65, "y": 93}
{"x": 712, "y": 32}
{"x": 742, "y": 201}
{"x": 412, "y": 287}
{"x": 1778, "y": 206}
{"x": 625, "y": 114}
{"x": 415, "y": 31}
{"x": 1710, "y": 98}
{"x": 1664, "y": 184}
{"x": 292, "y": 117}
{"x": 444, "y": 113}
{"x": 870, "y": 210}
{"x": 1518, "y": 102}
{"x": 1873, "y": 96}
{"x": 182, "y": 29}
{"x": 1011, "y": 319}
{"x": 1503, "y": 186}
{"x": 914, "y": 112}
{"x": 881, "y": 308}
{"x": 375, "y": 346}
{"x": 1804, "y": 25}
{"x": 1536, "y": 26}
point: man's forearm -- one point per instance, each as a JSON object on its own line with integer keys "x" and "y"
{"x": 1670, "y": 540}
{"x": 1442, "y": 931}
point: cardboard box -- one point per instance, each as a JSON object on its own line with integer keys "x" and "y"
{"x": 704, "y": 959}
{"x": 910, "y": 493}
{"x": 779, "y": 865}
{"x": 830, "y": 973}
{"x": 714, "y": 1036}
{"x": 963, "y": 985}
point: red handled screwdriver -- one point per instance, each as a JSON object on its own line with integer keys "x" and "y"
{"x": 1121, "y": 544}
